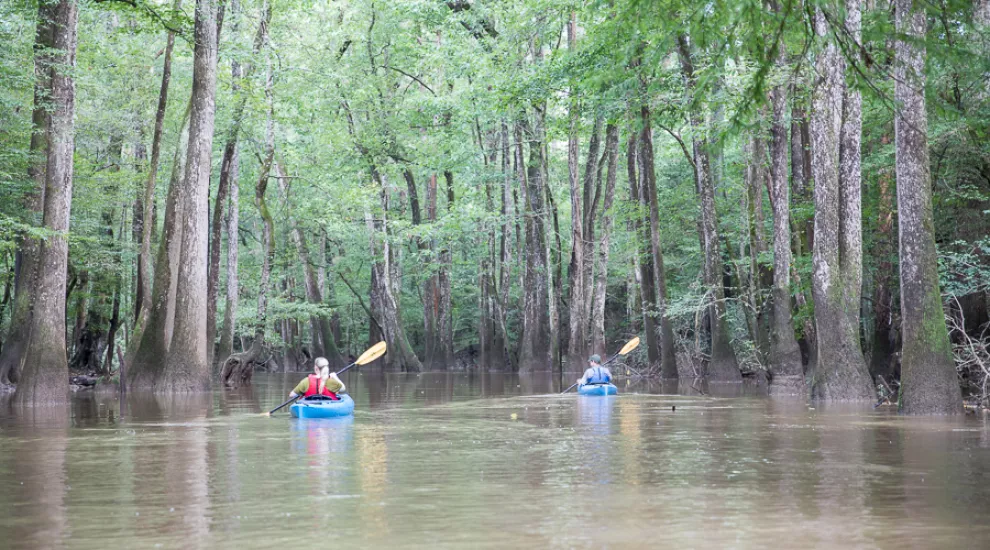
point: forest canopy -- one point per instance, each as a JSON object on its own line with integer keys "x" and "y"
{"x": 790, "y": 190}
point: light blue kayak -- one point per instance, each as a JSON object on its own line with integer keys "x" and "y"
{"x": 597, "y": 389}
{"x": 322, "y": 407}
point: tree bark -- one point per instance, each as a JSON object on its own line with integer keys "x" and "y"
{"x": 187, "y": 367}
{"x": 723, "y": 365}
{"x": 668, "y": 361}
{"x": 928, "y": 374}
{"x": 45, "y": 375}
{"x": 12, "y": 354}
{"x": 840, "y": 373}
{"x": 598, "y": 343}
{"x": 785, "y": 355}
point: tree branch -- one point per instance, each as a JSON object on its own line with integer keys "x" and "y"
{"x": 151, "y": 12}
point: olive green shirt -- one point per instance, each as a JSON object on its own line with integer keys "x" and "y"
{"x": 333, "y": 384}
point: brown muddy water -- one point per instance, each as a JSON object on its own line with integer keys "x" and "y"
{"x": 489, "y": 461}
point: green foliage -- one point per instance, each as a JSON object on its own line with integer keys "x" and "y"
{"x": 421, "y": 87}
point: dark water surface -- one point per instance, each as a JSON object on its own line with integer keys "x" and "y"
{"x": 488, "y": 461}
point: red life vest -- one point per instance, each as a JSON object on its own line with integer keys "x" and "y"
{"x": 314, "y": 384}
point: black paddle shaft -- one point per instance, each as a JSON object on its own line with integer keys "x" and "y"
{"x": 291, "y": 399}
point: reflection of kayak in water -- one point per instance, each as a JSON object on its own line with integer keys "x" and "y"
{"x": 322, "y": 407}
{"x": 597, "y": 389}
{"x": 319, "y": 437}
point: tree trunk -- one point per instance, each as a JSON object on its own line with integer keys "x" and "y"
{"x": 592, "y": 197}
{"x": 928, "y": 373}
{"x": 238, "y": 369}
{"x": 425, "y": 256}
{"x": 643, "y": 259}
{"x": 785, "y": 355}
{"x": 576, "y": 351}
{"x": 12, "y": 354}
{"x": 45, "y": 375}
{"x": 501, "y": 299}
{"x": 226, "y": 346}
{"x": 187, "y": 367}
{"x": 150, "y": 341}
{"x": 668, "y": 362}
{"x": 884, "y": 336}
{"x": 723, "y": 365}
{"x": 314, "y": 294}
{"x": 535, "y": 346}
{"x": 144, "y": 277}
{"x": 445, "y": 328}
{"x": 384, "y": 303}
{"x": 598, "y": 343}
{"x": 760, "y": 275}
{"x": 840, "y": 373}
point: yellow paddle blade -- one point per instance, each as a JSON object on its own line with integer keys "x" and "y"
{"x": 374, "y": 352}
{"x": 630, "y": 345}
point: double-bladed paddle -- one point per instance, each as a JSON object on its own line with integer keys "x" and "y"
{"x": 372, "y": 353}
{"x": 630, "y": 345}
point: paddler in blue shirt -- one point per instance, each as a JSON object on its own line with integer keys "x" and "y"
{"x": 596, "y": 373}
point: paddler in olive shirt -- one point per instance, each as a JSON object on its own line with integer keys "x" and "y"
{"x": 321, "y": 382}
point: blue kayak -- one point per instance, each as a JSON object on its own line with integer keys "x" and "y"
{"x": 322, "y": 407}
{"x": 597, "y": 389}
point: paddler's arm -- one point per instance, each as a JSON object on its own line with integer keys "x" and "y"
{"x": 300, "y": 388}
{"x": 584, "y": 379}
{"x": 334, "y": 384}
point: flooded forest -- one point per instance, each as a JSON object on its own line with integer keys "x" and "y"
{"x": 789, "y": 192}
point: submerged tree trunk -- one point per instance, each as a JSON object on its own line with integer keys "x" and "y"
{"x": 840, "y": 372}
{"x": 12, "y": 354}
{"x": 45, "y": 376}
{"x": 598, "y": 343}
{"x": 723, "y": 365}
{"x": 928, "y": 374}
{"x": 187, "y": 367}
{"x": 785, "y": 356}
